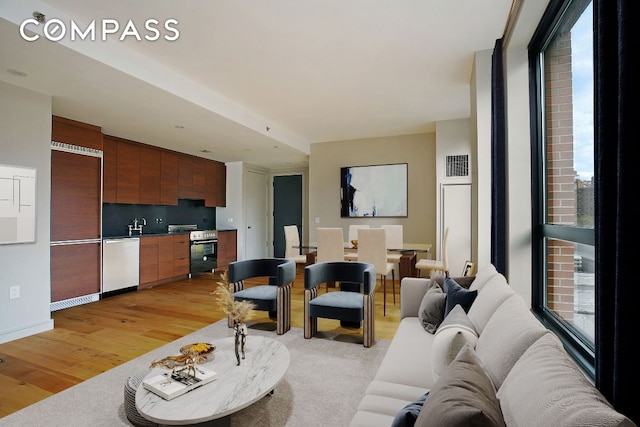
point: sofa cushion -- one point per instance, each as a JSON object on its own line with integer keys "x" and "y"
{"x": 462, "y": 396}
{"x": 455, "y": 331}
{"x": 493, "y": 293}
{"x": 431, "y": 311}
{"x": 409, "y": 413}
{"x": 506, "y": 336}
{"x": 483, "y": 276}
{"x": 408, "y": 367}
{"x": 456, "y": 294}
{"x": 545, "y": 387}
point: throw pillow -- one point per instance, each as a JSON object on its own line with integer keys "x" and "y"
{"x": 557, "y": 392}
{"x": 456, "y": 294}
{"x": 483, "y": 276}
{"x": 408, "y": 415}
{"x": 462, "y": 396}
{"x": 454, "y": 332}
{"x": 431, "y": 311}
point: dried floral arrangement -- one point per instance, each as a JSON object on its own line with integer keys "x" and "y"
{"x": 239, "y": 311}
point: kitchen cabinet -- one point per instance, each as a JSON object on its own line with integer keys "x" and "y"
{"x": 163, "y": 258}
{"x": 150, "y": 160}
{"x": 128, "y": 173}
{"x": 75, "y": 210}
{"x": 181, "y": 254}
{"x": 168, "y": 178}
{"x": 191, "y": 179}
{"x": 215, "y": 184}
{"x": 227, "y": 247}
{"x": 136, "y": 173}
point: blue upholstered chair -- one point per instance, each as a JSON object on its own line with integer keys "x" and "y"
{"x": 274, "y": 297}
{"x": 353, "y": 303}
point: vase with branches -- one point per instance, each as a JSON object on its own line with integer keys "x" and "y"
{"x": 238, "y": 311}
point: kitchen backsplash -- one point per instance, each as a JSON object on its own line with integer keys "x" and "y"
{"x": 116, "y": 217}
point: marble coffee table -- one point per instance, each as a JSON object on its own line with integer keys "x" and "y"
{"x": 235, "y": 388}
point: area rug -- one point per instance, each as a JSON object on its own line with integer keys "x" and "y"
{"x": 326, "y": 379}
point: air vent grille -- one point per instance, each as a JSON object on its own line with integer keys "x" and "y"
{"x": 72, "y": 302}
{"x": 457, "y": 165}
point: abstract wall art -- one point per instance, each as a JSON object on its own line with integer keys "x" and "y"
{"x": 373, "y": 191}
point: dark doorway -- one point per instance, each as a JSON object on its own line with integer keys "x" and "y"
{"x": 287, "y": 208}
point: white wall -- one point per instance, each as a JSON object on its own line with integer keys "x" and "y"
{"x": 25, "y": 120}
{"x": 232, "y": 216}
{"x": 481, "y": 155}
{"x": 418, "y": 151}
{"x": 453, "y": 137}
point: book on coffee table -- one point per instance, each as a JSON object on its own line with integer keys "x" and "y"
{"x": 173, "y": 384}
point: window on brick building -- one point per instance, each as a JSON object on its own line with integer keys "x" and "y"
{"x": 561, "y": 59}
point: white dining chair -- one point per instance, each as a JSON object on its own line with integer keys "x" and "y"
{"x": 350, "y": 254}
{"x": 292, "y": 244}
{"x": 395, "y": 240}
{"x": 372, "y": 249}
{"x": 330, "y": 244}
{"x": 435, "y": 265}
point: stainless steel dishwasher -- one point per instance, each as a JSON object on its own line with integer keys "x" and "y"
{"x": 120, "y": 264}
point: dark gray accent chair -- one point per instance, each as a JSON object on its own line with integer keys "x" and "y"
{"x": 354, "y": 303}
{"x": 274, "y": 297}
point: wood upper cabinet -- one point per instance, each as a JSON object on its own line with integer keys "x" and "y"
{"x": 76, "y": 133}
{"x": 168, "y": 178}
{"x": 215, "y": 184}
{"x": 191, "y": 177}
{"x": 138, "y": 173}
{"x": 150, "y": 166}
{"x": 128, "y": 178}
{"x": 110, "y": 171}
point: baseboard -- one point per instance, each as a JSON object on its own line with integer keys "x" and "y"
{"x": 47, "y": 325}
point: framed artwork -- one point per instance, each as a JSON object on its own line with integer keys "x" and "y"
{"x": 17, "y": 204}
{"x": 373, "y": 191}
{"x": 468, "y": 268}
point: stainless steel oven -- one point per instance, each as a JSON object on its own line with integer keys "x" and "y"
{"x": 204, "y": 251}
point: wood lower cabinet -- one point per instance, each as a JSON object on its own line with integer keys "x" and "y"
{"x": 181, "y": 254}
{"x": 75, "y": 270}
{"x": 227, "y": 248}
{"x": 163, "y": 259}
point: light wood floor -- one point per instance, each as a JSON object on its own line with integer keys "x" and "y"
{"x": 92, "y": 338}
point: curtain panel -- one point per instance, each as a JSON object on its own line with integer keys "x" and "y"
{"x": 498, "y": 161}
{"x": 617, "y": 92}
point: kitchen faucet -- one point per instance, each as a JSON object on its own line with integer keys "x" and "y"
{"x": 137, "y": 226}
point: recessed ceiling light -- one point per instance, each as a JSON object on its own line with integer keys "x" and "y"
{"x": 179, "y": 127}
{"x": 205, "y": 151}
{"x": 16, "y": 73}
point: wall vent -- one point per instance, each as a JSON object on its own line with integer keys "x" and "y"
{"x": 72, "y": 302}
{"x": 457, "y": 165}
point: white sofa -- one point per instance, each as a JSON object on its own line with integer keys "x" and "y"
{"x": 534, "y": 380}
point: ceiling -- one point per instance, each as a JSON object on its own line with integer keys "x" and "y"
{"x": 255, "y": 81}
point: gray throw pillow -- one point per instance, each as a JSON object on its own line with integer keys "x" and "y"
{"x": 431, "y": 311}
{"x": 462, "y": 396}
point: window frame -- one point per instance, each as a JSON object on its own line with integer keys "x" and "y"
{"x": 576, "y": 344}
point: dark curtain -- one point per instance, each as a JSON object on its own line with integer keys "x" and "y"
{"x": 617, "y": 93}
{"x": 498, "y": 162}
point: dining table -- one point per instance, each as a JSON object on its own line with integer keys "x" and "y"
{"x": 408, "y": 256}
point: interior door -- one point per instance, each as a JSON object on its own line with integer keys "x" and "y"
{"x": 256, "y": 215}
{"x": 287, "y": 209}
{"x": 456, "y": 214}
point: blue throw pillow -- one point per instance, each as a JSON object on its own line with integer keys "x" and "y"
{"x": 408, "y": 415}
{"x": 456, "y": 294}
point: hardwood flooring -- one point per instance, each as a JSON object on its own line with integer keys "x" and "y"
{"x": 93, "y": 338}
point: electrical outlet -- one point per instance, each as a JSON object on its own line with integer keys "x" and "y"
{"x": 14, "y": 292}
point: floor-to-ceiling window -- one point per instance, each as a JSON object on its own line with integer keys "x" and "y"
{"x": 561, "y": 60}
